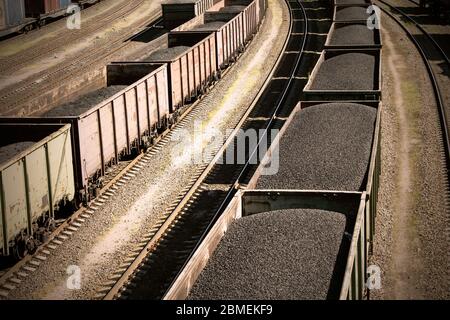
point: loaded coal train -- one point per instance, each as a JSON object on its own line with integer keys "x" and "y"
{"x": 25, "y": 15}
{"x": 60, "y": 158}
{"x": 306, "y": 231}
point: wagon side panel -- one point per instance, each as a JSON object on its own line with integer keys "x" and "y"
{"x": 38, "y": 183}
{"x": 143, "y": 120}
{"x": 90, "y": 149}
{"x": 15, "y": 205}
{"x": 60, "y": 165}
{"x": 107, "y": 129}
{"x": 175, "y": 80}
{"x": 163, "y": 95}
{"x": 132, "y": 117}
{"x": 120, "y": 124}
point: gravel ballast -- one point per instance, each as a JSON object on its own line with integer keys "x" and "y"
{"x": 167, "y": 53}
{"x": 283, "y": 254}
{"x": 353, "y": 34}
{"x": 326, "y": 147}
{"x": 9, "y": 151}
{"x": 84, "y": 103}
{"x": 349, "y": 71}
{"x": 351, "y": 13}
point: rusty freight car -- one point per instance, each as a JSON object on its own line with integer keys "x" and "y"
{"x": 191, "y": 64}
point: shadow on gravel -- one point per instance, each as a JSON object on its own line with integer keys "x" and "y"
{"x": 423, "y": 17}
{"x": 444, "y": 42}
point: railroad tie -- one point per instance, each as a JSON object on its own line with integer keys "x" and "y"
{"x": 28, "y": 268}
{"x": 71, "y": 229}
{"x": 34, "y": 263}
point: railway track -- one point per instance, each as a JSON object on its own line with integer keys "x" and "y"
{"x": 12, "y": 98}
{"x": 427, "y": 51}
{"x": 10, "y": 278}
{"x": 165, "y": 251}
{"x": 45, "y": 48}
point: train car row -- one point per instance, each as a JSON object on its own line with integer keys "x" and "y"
{"x": 306, "y": 231}
{"x": 139, "y": 100}
{"x": 24, "y": 15}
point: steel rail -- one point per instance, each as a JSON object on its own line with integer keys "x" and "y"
{"x": 434, "y": 81}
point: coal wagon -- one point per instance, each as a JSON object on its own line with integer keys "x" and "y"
{"x": 36, "y": 180}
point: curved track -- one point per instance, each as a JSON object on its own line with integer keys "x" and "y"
{"x": 443, "y": 106}
{"x": 15, "y": 96}
{"x": 157, "y": 265}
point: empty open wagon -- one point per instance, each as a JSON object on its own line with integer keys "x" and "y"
{"x": 191, "y": 65}
{"x": 36, "y": 179}
{"x": 331, "y": 266}
{"x": 112, "y": 122}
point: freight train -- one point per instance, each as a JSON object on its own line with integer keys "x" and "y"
{"x": 82, "y": 139}
{"x": 25, "y": 15}
{"x": 316, "y": 216}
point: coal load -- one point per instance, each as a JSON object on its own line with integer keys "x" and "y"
{"x": 349, "y": 71}
{"x": 353, "y": 34}
{"x": 210, "y": 26}
{"x": 351, "y": 13}
{"x": 283, "y": 254}
{"x": 84, "y": 103}
{"x": 167, "y": 54}
{"x": 326, "y": 147}
{"x": 11, "y": 150}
